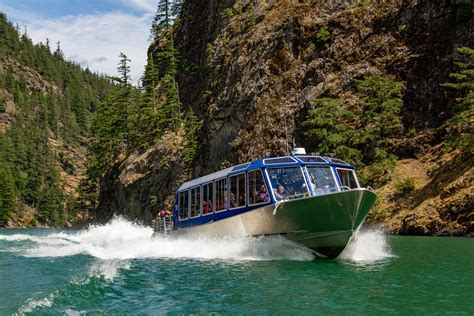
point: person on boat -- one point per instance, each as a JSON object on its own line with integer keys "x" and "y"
{"x": 232, "y": 200}
{"x": 281, "y": 193}
{"x": 242, "y": 200}
{"x": 314, "y": 185}
{"x": 223, "y": 203}
{"x": 262, "y": 194}
{"x": 205, "y": 208}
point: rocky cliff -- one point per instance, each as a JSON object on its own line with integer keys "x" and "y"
{"x": 250, "y": 70}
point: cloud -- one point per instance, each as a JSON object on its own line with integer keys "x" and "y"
{"x": 145, "y": 5}
{"x": 95, "y": 40}
{"x": 98, "y": 39}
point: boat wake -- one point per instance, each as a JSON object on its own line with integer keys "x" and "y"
{"x": 121, "y": 240}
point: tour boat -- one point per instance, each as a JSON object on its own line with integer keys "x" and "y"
{"x": 313, "y": 200}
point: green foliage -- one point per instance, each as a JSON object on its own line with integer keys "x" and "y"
{"x": 165, "y": 17}
{"x": 251, "y": 19}
{"x": 323, "y": 36}
{"x": 228, "y": 12}
{"x": 192, "y": 125}
{"x": 209, "y": 52}
{"x": 3, "y": 104}
{"x": 7, "y": 193}
{"x": 404, "y": 187}
{"x": 330, "y": 126}
{"x": 153, "y": 200}
{"x": 362, "y": 133}
{"x": 123, "y": 69}
{"x": 460, "y": 129}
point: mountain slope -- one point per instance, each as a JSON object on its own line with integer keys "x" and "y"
{"x": 45, "y": 108}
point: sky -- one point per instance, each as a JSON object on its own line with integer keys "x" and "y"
{"x": 91, "y": 32}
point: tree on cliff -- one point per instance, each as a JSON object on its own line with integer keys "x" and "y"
{"x": 362, "y": 133}
{"x": 460, "y": 130}
{"x": 165, "y": 16}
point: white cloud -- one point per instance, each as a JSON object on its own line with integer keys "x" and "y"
{"x": 146, "y": 5}
{"x": 97, "y": 39}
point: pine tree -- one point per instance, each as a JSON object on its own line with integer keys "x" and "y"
{"x": 462, "y": 83}
{"x": 124, "y": 70}
{"x": 163, "y": 19}
{"x": 58, "y": 53}
{"x": 7, "y": 193}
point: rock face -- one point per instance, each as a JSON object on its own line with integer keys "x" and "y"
{"x": 250, "y": 72}
{"x": 137, "y": 181}
{"x": 254, "y": 80}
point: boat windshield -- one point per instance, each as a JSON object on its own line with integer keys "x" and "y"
{"x": 287, "y": 182}
{"x": 348, "y": 178}
{"x": 322, "y": 180}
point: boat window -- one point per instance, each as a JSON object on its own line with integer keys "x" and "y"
{"x": 322, "y": 180}
{"x": 196, "y": 202}
{"x": 221, "y": 194}
{"x": 272, "y": 161}
{"x": 207, "y": 206}
{"x": 258, "y": 191}
{"x": 237, "y": 191}
{"x": 311, "y": 159}
{"x": 183, "y": 205}
{"x": 348, "y": 178}
{"x": 287, "y": 182}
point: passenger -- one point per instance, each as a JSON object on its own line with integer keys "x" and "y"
{"x": 223, "y": 204}
{"x": 263, "y": 194}
{"x": 242, "y": 200}
{"x": 205, "y": 208}
{"x": 281, "y": 193}
{"x": 314, "y": 186}
{"x": 232, "y": 200}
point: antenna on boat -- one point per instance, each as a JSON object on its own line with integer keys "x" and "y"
{"x": 286, "y": 132}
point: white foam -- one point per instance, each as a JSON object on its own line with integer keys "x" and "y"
{"x": 32, "y": 304}
{"x": 122, "y": 240}
{"x": 367, "y": 246}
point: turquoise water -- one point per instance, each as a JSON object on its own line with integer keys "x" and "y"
{"x": 119, "y": 268}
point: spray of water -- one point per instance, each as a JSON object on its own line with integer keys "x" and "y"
{"x": 367, "y": 246}
{"x": 122, "y": 240}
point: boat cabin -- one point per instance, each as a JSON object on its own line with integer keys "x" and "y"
{"x": 248, "y": 186}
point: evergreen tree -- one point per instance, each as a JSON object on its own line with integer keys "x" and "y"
{"x": 163, "y": 19}
{"x": 124, "y": 70}
{"x": 461, "y": 134}
{"x": 7, "y": 194}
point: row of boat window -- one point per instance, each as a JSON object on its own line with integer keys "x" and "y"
{"x": 285, "y": 182}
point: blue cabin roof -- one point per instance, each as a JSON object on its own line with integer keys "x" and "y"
{"x": 265, "y": 162}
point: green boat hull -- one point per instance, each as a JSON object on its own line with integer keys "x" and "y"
{"x": 324, "y": 223}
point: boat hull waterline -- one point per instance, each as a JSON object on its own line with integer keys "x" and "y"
{"x": 324, "y": 224}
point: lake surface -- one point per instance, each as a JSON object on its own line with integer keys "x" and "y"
{"x": 120, "y": 268}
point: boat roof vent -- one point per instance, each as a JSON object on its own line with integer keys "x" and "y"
{"x": 298, "y": 151}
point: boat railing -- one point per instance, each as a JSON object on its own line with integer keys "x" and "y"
{"x": 297, "y": 196}
{"x": 163, "y": 224}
